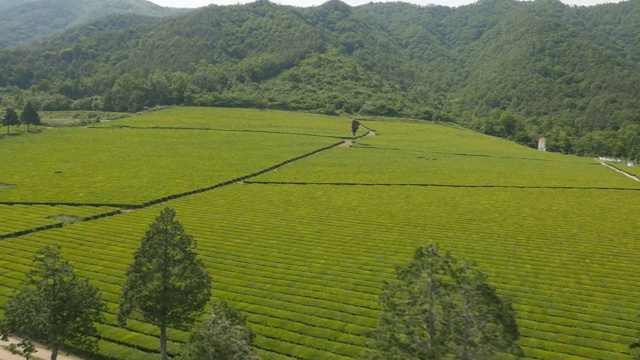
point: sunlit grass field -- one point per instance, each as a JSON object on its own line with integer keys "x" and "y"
{"x": 124, "y": 166}
{"x": 303, "y": 250}
{"x": 240, "y": 120}
{"x": 426, "y": 154}
{"x": 633, "y": 170}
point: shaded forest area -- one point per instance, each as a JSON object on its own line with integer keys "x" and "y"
{"x": 518, "y": 70}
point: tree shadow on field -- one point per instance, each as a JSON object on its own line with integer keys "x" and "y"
{"x": 2, "y": 136}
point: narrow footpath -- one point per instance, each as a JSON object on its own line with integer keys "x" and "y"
{"x": 633, "y": 177}
{"x": 42, "y": 353}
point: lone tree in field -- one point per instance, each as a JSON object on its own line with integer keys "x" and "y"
{"x": 10, "y": 118}
{"x": 439, "y": 308}
{"x": 355, "y": 124}
{"x": 223, "y": 336}
{"x": 29, "y": 116}
{"x": 54, "y": 307}
{"x": 166, "y": 283}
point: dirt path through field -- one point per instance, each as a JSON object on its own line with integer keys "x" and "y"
{"x": 633, "y": 177}
{"x": 349, "y": 143}
{"x": 42, "y": 353}
{"x": 346, "y": 143}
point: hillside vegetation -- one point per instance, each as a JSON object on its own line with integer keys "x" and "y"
{"x": 303, "y": 249}
{"x": 515, "y": 69}
{"x": 23, "y": 22}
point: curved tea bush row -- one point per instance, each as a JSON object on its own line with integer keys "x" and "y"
{"x": 304, "y": 263}
{"x": 76, "y": 255}
{"x": 554, "y": 273}
{"x": 427, "y": 154}
{"x": 21, "y": 219}
{"x": 121, "y": 167}
{"x": 239, "y": 120}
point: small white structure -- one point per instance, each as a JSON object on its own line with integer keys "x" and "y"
{"x": 630, "y": 163}
{"x": 542, "y": 144}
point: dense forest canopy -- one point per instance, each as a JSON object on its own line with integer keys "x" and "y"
{"x": 519, "y": 70}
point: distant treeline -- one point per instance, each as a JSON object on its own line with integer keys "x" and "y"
{"x": 518, "y": 70}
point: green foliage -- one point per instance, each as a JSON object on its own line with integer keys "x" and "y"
{"x": 27, "y": 21}
{"x": 223, "y": 336}
{"x": 10, "y": 118}
{"x": 24, "y": 348}
{"x": 54, "y": 306}
{"x": 78, "y": 117}
{"x": 534, "y": 60}
{"x": 166, "y": 283}
{"x": 303, "y": 253}
{"x": 214, "y": 154}
{"x": 518, "y": 70}
{"x": 440, "y": 309}
{"x": 29, "y": 116}
{"x": 429, "y": 154}
{"x": 624, "y": 143}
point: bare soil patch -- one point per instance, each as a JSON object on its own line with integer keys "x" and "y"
{"x": 346, "y": 143}
{"x": 42, "y": 353}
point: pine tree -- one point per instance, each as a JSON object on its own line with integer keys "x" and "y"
{"x": 29, "y": 116}
{"x": 166, "y": 283}
{"x": 10, "y": 118}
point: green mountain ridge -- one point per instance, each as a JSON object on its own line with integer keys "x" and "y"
{"x": 27, "y": 21}
{"x": 519, "y": 70}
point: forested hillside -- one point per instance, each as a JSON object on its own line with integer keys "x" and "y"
{"x": 25, "y": 21}
{"x": 519, "y": 70}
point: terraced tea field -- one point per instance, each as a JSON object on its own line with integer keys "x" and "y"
{"x": 131, "y": 167}
{"x": 631, "y": 170}
{"x": 303, "y": 250}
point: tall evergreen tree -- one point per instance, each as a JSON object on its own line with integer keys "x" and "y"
{"x": 10, "y": 118}
{"x": 29, "y": 116}
{"x": 440, "y": 308}
{"x": 166, "y": 283}
{"x": 54, "y": 307}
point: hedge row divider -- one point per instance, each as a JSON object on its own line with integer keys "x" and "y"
{"x": 129, "y": 207}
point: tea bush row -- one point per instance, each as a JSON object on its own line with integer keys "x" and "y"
{"x": 133, "y": 167}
